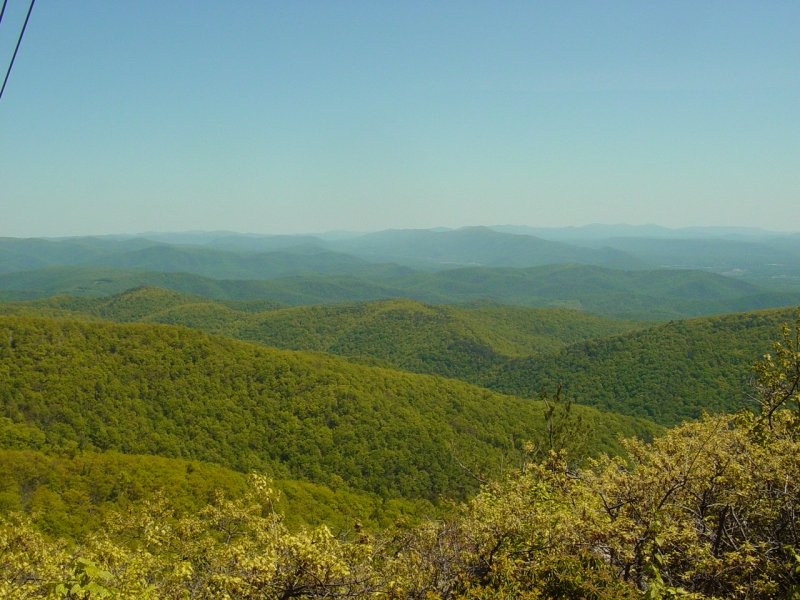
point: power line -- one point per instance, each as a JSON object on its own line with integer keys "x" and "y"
{"x": 19, "y": 41}
{"x": 3, "y": 10}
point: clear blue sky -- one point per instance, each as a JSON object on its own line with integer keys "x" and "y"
{"x": 280, "y": 117}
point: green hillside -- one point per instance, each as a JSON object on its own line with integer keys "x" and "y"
{"x": 145, "y": 389}
{"x": 667, "y": 373}
{"x": 441, "y": 339}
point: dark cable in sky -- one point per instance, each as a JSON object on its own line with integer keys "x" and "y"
{"x": 3, "y": 10}
{"x": 16, "y": 49}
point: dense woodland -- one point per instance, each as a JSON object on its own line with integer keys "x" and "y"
{"x": 665, "y": 372}
{"x": 441, "y": 339}
{"x": 147, "y": 389}
{"x": 707, "y": 510}
{"x": 399, "y": 415}
{"x": 71, "y": 495}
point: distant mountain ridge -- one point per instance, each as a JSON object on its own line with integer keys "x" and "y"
{"x": 771, "y": 259}
{"x": 765, "y": 257}
{"x": 213, "y": 255}
{"x": 604, "y": 231}
{"x": 477, "y": 246}
{"x": 628, "y": 276}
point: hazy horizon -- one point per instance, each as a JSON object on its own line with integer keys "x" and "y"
{"x": 701, "y": 230}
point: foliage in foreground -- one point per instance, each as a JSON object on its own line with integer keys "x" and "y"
{"x": 709, "y": 509}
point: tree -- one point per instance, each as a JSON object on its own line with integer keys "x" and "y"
{"x": 778, "y": 374}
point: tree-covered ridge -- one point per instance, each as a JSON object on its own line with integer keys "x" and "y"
{"x": 366, "y": 329}
{"x": 667, "y": 373}
{"x": 105, "y": 281}
{"x": 146, "y": 389}
{"x": 477, "y": 246}
{"x": 642, "y": 294}
{"x": 438, "y": 339}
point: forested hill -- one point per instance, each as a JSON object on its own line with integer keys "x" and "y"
{"x": 172, "y": 391}
{"x": 667, "y": 373}
{"x": 437, "y": 339}
{"x": 105, "y": 281}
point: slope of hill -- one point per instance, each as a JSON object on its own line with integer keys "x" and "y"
{"x": 171, "y": 391}
{"x": 667, "y": 373}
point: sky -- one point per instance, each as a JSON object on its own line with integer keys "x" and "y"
{"x": 298, "y": 116}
